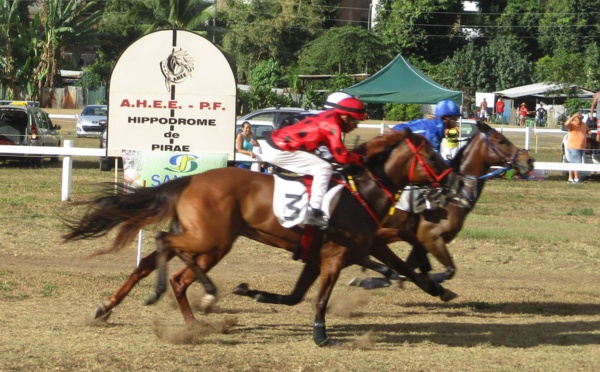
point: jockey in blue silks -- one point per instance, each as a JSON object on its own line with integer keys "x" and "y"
{"x": 446, "y": 114}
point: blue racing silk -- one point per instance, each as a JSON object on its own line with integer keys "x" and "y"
{"x": 432, "y": 129}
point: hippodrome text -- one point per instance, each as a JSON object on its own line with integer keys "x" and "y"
{"x": 171, "y": 121}
{"x": 173, "y": 105}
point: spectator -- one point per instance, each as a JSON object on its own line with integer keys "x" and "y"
{"x": 483, "y": 110}
{"x": 500, "y": 111}
{"x": 523, "y": 112}
{"x": 244, "y": 144}
{"x": 540, "y": 116}
{"x": 594, "y": 114}
{"x": 576, "y": 143}
{"x": 451, "y": 143}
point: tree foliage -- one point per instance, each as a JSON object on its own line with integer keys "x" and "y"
{"x": 421, "y": 28}
{"x": 264, "y": 29}
{"x": 64, "y": 24}
{"x": 348, "y": 49}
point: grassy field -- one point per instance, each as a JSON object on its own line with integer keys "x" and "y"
{"x": 527, "y": 281}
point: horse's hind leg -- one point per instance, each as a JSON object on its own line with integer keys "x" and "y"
{"x": 146, "y": 266}
{"x": 183, "y": 278}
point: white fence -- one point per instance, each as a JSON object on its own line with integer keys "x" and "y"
{"x": 68, "y": 152}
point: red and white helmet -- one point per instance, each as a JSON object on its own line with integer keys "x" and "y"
{"x": 334, "y": 98}
{"x": 351, "y": 107}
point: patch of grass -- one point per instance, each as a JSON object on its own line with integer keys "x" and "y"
{"x": 581, "y": 212}
{"x": 478, "y": 305}
{"x": 48, "y": 289}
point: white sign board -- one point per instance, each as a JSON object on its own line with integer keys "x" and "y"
{"x": 172, "y": 90}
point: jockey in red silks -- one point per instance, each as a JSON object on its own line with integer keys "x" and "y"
{"x": 291, "y": 148}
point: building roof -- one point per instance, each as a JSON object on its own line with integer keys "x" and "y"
{"x": 546, "y": 90}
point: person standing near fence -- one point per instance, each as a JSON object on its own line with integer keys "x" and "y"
{"x": 483, "y": 110}
{"x": 523, "y": 112}
{"x": 594, "y": 114}
{"x": 576, "y": 143}
{"x": 500, "y": 111}
{"x": 540, "y": 115}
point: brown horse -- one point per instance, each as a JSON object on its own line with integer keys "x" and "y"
{"x": 431, "y": 230}
{"x": 210, "y": 210}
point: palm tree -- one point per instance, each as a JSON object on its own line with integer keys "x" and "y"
{"x": 192, "y": 15}
{"x": 70, "y": 23}
{"x": 12, "y": 35}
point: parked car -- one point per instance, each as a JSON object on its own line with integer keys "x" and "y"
{"x": 92, "y": 121}
{"x": 272, "y": 115}
{"x": 23, "y": 123}
{"x": 107, "y": 162}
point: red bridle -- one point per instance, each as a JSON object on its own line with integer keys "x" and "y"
{"x": 429, "y": 172}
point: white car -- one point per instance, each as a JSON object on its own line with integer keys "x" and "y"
{"x": 272, "y": 115}
{"x": 92, "y": 121}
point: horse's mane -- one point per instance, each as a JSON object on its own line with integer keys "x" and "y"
{"x": 382, "y": 143}
{"x": 457, "y": 160}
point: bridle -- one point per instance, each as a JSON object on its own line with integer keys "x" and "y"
{"x": 505, "y": 157}
{"x": 418, "y": 160}
{"x": 430, "y": 173}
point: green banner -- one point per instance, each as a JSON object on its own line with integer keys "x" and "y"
{"x": 149, "y": 169}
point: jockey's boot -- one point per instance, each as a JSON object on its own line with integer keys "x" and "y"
{"x": 315, "y": 217}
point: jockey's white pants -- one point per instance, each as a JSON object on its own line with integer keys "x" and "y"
{"x": 302, "y": 163}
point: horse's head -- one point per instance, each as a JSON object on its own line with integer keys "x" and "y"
{"x": 502, "y": 152}
{"x": 407, "y": 158}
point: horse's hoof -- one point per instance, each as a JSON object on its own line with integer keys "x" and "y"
{"x": 151, "y": 299}
{"x": 355, "y": 282}
{"x": 375, "y": 283}
{"x": 207, "y": 303}
{"x": 241, "y": 289}
{"x": 437, "y": 277}
{"x": 329, "y": 342}
{"x": 448, "y": 295}
{"x": 101, "y": 313}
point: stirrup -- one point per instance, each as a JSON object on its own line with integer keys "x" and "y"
{"x": 315, "y": 217}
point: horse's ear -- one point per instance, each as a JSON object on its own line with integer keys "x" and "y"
{"x": 482, "y": 126}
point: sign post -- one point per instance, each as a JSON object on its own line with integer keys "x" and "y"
{"x": 172, "y": 109}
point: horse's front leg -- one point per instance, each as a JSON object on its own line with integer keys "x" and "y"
{"x": 384, "y": 254}
{"x": 439, "y": 250}
{"x": 331, "y": 266}
{"x": 309, "y": 274}
{"x": 162, "y": 254}
{"x": 147, "y": 265}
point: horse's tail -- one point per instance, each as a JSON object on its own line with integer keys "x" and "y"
{"x": 129, "y": 208}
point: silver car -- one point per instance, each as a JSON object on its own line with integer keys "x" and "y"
{"x": 92, "y": 121}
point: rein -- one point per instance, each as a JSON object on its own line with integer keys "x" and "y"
{"x": 429, "y": 172}
{"x": 418, "y": 159}
{"x": 501, "y": 154}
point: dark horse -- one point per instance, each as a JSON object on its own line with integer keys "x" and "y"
{"x": 431, "y": 230}
{"x": 209, "y": 211}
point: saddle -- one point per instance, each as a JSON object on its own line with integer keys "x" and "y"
{"x": 292, "y": 193}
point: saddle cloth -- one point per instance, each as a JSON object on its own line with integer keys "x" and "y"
{"x": 290, "y": 200}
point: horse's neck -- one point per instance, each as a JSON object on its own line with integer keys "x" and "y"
{"x": 472, "y": 168}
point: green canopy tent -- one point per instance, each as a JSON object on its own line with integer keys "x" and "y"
{"x": 401, "y": 82}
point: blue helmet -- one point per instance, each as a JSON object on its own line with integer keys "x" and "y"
{"x": 446, "y": 108}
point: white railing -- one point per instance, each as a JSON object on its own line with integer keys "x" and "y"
{"x": 67, "y": 151}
